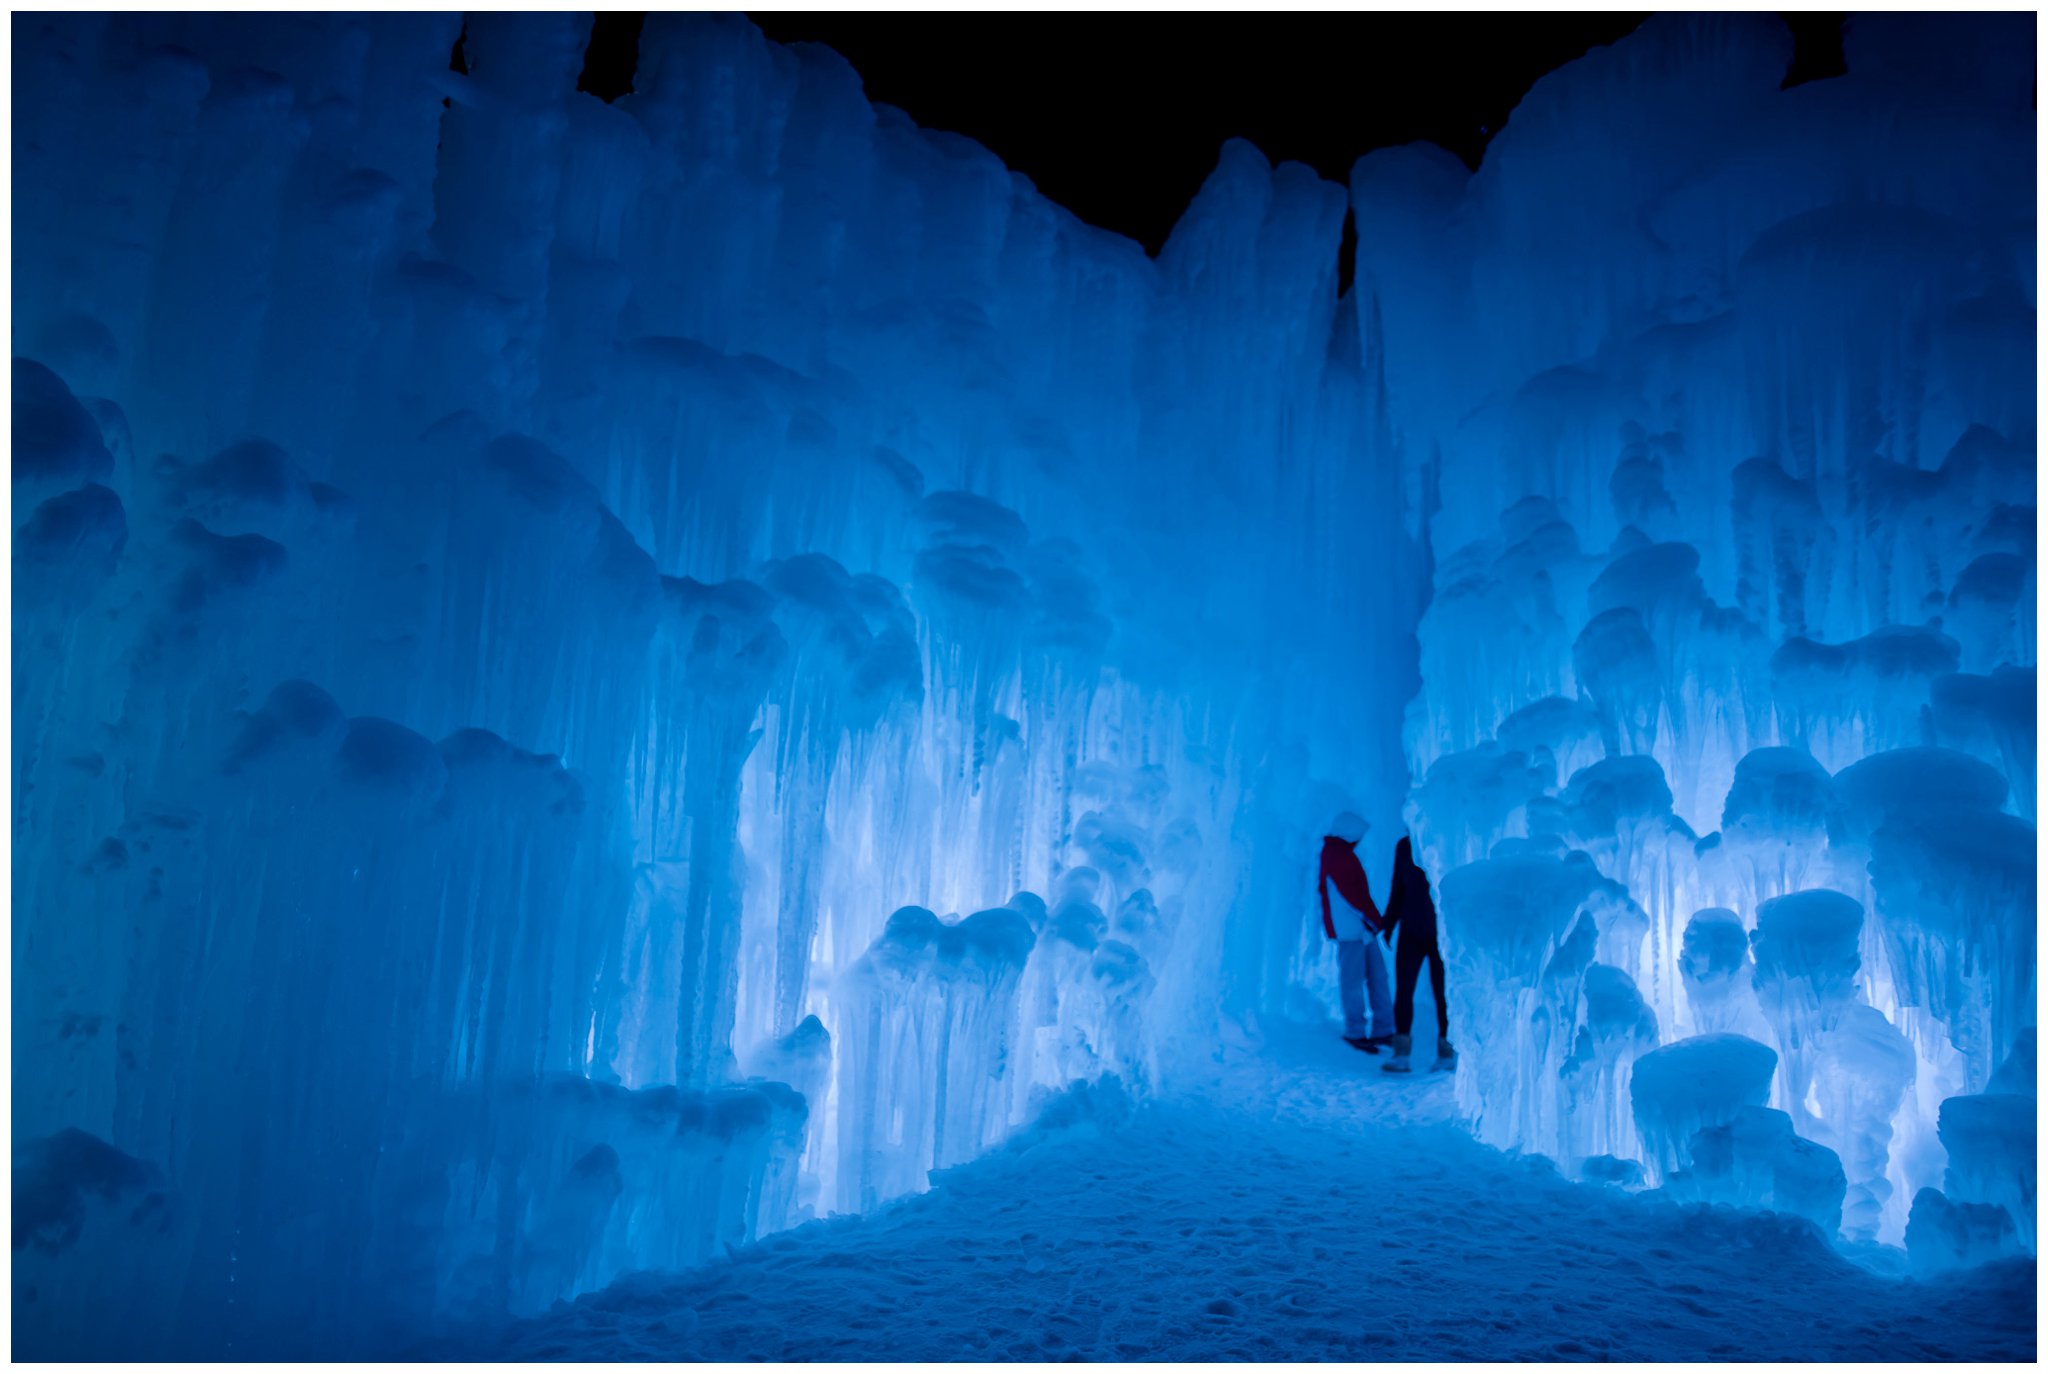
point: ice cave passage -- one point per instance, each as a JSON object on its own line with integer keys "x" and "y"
{"x": 605, "y": 691}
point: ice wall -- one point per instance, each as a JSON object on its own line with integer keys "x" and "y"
{"x": 512, "y": 592}
{"x": 593, "y": 680}
{"x": 1728, "y": 677}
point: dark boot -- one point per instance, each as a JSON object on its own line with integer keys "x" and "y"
{"x": 1359, "y": 1042}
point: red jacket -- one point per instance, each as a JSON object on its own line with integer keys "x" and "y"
{"x": 1340, "y": 865}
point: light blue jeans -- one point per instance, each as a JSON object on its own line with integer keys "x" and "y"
{"x": 1362, "y": 974}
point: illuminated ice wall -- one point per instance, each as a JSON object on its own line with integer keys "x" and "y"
{"x": 593, "y": 680}
{"x": 1724, "y": 753}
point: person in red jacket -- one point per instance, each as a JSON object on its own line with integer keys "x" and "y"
{"x": 1354, "y": 922}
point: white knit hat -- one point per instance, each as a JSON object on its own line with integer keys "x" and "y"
{"x": 1349, "y": 827}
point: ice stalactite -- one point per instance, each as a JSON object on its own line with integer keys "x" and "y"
{"x": 1727, "y": 388}
{"x": 1618, "y": 1027}
{"x": 927, "y": 1047}
{"x": 1807, "y": 956}
{"x": 1717, "y": 975}
{"x": 1555, "y": 916}
{"x": 513, "y": 590}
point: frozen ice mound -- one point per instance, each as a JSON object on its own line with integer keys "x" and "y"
{"x": 86, "y": 1216}
{"x": 1990, "y": 1138}
{"x": 1689, "y": 1086}
{"x": 1471, "y": 799}
{"x": 1990, "y": 717}
{"x": 1756, "y": 1160}
{"x": 1714, "y": 964}
{"x": 57, "y": 445}
{"x": 69, "y": 545}
{"x": 1898, "y": 785}
{"x": 1807, "y": 951}
{"x": 1624, "y": 1173}
{"x": 1942, "y": 1235}
{"x": 1986, "y": 1207}
{"x": 531, "y": 1194}
{"x": 1774, "y": 823}
{"x": 1951, "y": 875}
{"x": 1566, "y": 727}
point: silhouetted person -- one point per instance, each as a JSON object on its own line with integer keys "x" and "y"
{"x": 1411, "y": 918}
{"x": 1353, "y": 921}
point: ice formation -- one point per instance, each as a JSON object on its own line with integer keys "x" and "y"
{"x": 513, "y": 592}
{"x": 593, "y": 680}
{"x": 1724, "y": 390}
{"x": 1701, "y": 1084}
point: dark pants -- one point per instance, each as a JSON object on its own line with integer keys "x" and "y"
{"x": 1407, "y": 964}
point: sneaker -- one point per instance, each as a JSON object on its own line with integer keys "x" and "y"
{"x": 1399, "y": 1063}
{"x": 1359, "y": 1042}
{"x": 1446, "y": 1057}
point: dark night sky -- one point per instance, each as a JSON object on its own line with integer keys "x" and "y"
{"x": 1119, "y": 117}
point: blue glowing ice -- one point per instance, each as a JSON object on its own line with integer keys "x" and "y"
{"x": 593, "y": 681}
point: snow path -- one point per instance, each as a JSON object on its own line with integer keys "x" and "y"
{"x": 1296, "y": 1206}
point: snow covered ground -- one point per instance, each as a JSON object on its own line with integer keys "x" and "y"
{"x": 1292, "y": 1203}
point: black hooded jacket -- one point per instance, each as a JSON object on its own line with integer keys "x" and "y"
{"x": 1411, "y": 912}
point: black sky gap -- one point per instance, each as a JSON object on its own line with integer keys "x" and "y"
{"x": 1119, "y": 117}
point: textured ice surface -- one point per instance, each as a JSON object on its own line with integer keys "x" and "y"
{"x": 1176, "y": 1231}
{"x": 1991, "y": 1153}
{"x": 1991, "y": 1204}
{"x": 1755, "y": 1159}
{"x": 1862, "y": 1068}
{"x": 1694, "y": 1085}
{"x": 1724, "y": 390}
{"x": 512, "y": 592}
{"x": 1942, "y": 1235}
